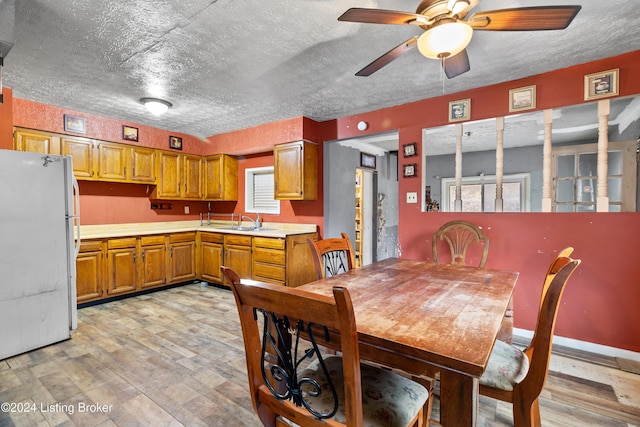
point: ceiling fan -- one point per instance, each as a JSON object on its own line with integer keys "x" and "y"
{"x": 447, "y": 33}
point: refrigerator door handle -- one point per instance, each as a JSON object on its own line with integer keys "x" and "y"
{"x": 76, "y": 216}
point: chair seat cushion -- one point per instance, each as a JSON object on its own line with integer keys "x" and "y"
{"x": 388, "y": 399}
{"x": 507, "y": 367}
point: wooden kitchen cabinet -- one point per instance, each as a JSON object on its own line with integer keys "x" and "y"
{"x": 153, "y": 262}
{"x": 192, "y": 177}
{"x": 296, "y": 171}
{"x": 81, "y": 150}
{"x": 179, "y": 177}
{"x": 237, "y": 254}
{"x": 89, "y": 271}
{"x": 121, "y": 266}
{"x": 36, "y": 142}
{"x": 143, "y": 165}
{"x": 181, "y": 260}
{"x": 220, "y": 177}
{"x": 268, "y": 260}
{"x": 211, "y": 257}
{"x": 112, "y": 161}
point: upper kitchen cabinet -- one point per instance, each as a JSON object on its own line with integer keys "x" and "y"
{"x": 221, "y": 177}
{"x": 179, "y": 177}
{"x": 112, "y": 161}
{"x": 296, "y": 170}
{"x": 143, "y": 165}
{"x": 36, "y": 142}
{"x": 81, "y": 150}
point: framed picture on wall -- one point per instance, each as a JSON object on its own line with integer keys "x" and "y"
{"x": 129, "y": 133}
{"x": 75, "y": 124}
{"x": 410, "y": 150}
{"x": 367, "y": 160}
{"x": 459, "y": 110}
{"x": 175, "y": 142}
{"x": 601, "y": 85}
{"x": 410, "y": 170}
{"x": 523, "y": 98}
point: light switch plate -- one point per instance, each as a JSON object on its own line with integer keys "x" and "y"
{"x": 186, "y": 209}
{"x": 412, "y": 197}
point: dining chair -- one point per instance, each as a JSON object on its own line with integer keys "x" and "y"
{"x": 294, "y": 383}
{"x": 332, "y": 256}
{"x": 460, "y": 235}
{"x": 518, "y": 376}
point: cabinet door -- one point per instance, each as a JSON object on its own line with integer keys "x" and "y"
{"x": 153, "y": 265}
{"x": 211, "y": 259}
{"x": 182, "y": 261}
{"x": 221, "y": 177}
{"x": 121, "y": 270}
{"x": 112, "y": 161}
{"x": 81, "y": 150}
{"x": 89, "y": 272}
{"x": 192, "y": 178}
{"x": 169, "y": 176}
{"x": 295, "y": 171}
{"x": 237, "y": 254}
{"x": 36, "y": 142}
{"x": 143, "y": 165}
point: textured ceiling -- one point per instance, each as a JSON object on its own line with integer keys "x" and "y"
{"x": 227, "y": 65}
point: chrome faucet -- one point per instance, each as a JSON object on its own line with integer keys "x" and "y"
{"x": 257, "y": 223}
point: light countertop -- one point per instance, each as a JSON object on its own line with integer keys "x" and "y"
{"x": 270, "y": 229}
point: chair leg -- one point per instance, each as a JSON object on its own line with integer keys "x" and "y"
{"x": 428, "y": 383}
{"x": 526, "y": 414}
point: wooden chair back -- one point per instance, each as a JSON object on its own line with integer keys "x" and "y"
{"x": 524, "y": 396}
{"x": 275, "y": 316}
{"x": 332, "y": 256}
{"x": 460, "y": 235}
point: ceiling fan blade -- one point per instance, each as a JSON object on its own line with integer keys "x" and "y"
{"x": 379, "y": 16}
{"x": 525, "y": 18}
{"x": 457, "y": 64}
{"x": 388, "y": 57}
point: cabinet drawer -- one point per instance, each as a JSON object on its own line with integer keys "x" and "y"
{"x": 129, "y": 242}
{"x": 268, "y": 271}
{"x": 211, "y": 237}
{"x": 90, "y": 245}
{"x": 182, "y": 237}
{"x": 268, "y": 242}
{"x": 271, "y": 256}
{"x": 152, "y": 240}
{"x": 236, "y": 239}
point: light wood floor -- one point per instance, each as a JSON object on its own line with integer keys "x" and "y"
{"x": 175, "y": 357}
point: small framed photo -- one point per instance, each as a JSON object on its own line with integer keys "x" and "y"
{"x": 367, "y": 160}
{"x": 459, "y": 110}
{"x": 410, "y": 150}
{"x": 75, "y": 124}
{"x": 175, "y": 142}
{"x": 601, "y": 85}
{"x": 410, "y": 170}
{"x": 129, "y": 133}
{"x": 522, "y": 98}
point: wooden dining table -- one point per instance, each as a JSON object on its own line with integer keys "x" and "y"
{"x": 424, "y": 319}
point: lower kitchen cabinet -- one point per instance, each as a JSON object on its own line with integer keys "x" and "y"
{"x": 153, "y": 263}
{"x": 211, "y": 257}
{"x": 121, "y": 266}
{"x": 237, "y": 254}
{"x": 89, "y": 275}
{"x": 181, "y": 264}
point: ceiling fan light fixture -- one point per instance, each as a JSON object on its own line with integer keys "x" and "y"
{"x": 155, "y": 106}
{"x": 457, "y": 6}
{"x": 446, "y": 38}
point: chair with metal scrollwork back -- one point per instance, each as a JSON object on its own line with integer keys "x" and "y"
{"x": 332, "y": 256}
{"x": 292, "y": 382}
{"x": 460, "y": 235}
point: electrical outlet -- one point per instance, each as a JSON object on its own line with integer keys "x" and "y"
{"x": 412, "y": 197}
{"x": 186, "y": 209}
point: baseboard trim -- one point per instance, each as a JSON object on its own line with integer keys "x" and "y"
{"x": 583, "y": 346}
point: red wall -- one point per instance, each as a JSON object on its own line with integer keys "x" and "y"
{"x": 6, "y": 120}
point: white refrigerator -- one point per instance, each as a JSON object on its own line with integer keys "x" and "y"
{"x": 39, "y": 211}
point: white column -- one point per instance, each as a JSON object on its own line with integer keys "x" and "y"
{"x": 602, "y": 203}
{"x": 546, "y": 161}
{"x": 499, "y": 161}
{"x": 458, "y": 201}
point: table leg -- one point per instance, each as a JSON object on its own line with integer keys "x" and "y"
{"x": 458, "y": 399}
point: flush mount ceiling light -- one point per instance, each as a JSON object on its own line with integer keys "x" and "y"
{"x": 445, "y": 38}
{"x": 155, "y": 106}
